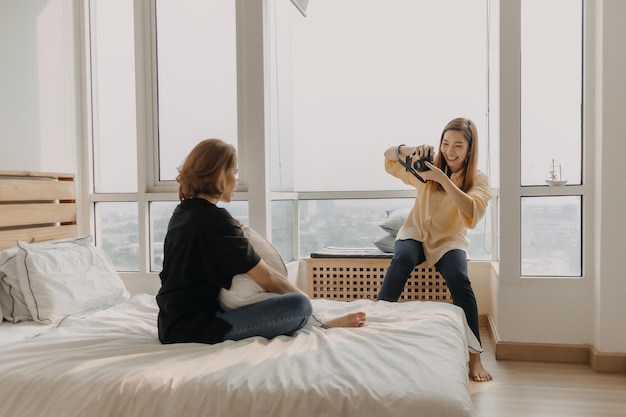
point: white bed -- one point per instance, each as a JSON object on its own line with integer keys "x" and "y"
{"x": 409, "y": 360}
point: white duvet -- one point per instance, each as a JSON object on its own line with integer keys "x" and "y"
{"x": 409, "y": 360}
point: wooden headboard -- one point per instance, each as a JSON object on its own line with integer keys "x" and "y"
{"x": 36, "y": 206}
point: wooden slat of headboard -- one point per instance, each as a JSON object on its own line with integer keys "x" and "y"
{"x": 30, "y": 190}
{"x": 9, "y": 238}
{"x": 32, "y": 214}
{"x": 36, "y": 206}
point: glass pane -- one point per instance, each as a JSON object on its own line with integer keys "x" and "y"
{"x": 237, "y": 209}
{"x": 551, "y": 91}
{"x": 117, "y": 232}
{"x": 340, "y": 97}
{"x": 113, "y": 96}
{"x": 481, "y": 246}
{"x": 356, "y": 224}
{"x": 282, "y": 228}
{"x": 552, "y": 236}
{"x": 197, "y": 77}
{"x": 343, "y": 223}
{"x": 160, "y": 213}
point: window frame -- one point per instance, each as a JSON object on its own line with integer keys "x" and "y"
{"x": 510, "y": 126}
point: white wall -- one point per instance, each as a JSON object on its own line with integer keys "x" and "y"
{"x": 610, "y": 227}
{"x": 38, "y": 113}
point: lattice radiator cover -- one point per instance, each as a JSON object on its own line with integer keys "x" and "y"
{"x": 348, "y": 279}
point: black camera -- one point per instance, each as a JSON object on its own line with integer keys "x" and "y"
{"x": 414, "y": 167}
{"x": 420, "y": 164}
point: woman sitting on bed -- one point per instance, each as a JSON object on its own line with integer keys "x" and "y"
{"x": 205, "y": 247}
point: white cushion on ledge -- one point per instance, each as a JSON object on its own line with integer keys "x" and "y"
{"x": 395, "y": 219}
{"x": 386, "y": 243}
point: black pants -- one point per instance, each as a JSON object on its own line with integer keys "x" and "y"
{"x": 452, "y": 266}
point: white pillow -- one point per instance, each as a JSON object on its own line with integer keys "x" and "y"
{"x": 395, "y": 219}
{"x": 386, "y": 243}
{"x": 14, "y": 307}
{"x": 244, "y": 290}
{"x": 66, "y": 277}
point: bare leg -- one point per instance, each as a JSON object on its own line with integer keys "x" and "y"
{"x": 349, "y": 320}
{"x": 476, "y": 370}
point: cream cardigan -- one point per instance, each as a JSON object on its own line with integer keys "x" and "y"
{"x": 435, "y": 219}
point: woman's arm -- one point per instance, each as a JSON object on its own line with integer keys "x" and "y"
{"x": 462, "y": 200}
{"x": 271, "y": 280}
{"x": 404, "y": 151}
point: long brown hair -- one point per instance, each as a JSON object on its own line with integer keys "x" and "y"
{"x": 470, "y": 166}
{"x": 205, "y": 169}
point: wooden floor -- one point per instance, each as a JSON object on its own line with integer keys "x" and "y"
{"x": 533, "y": 389}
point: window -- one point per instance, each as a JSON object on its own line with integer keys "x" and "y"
{"x": 165, "y": 75}
{"x": 541, "y": 141}
{"x": 197, "y": 77}
{"x": 117, "y": 233}
{"x": 113, "y": 119}
{"x": 339, "y": 98}
{"x": 283, "y": 233}
{"x": 160, "y": 213}
{"x": 354, "y": 78}
{"x": 551, "y": 138}
{"x": 196, "y": 96}
{"x": 552, "y": 236}
{"x": 551, "y": 85}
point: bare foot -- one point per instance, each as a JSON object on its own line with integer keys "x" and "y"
{"x": 349, "y": 320}
{"x": 476, "y": 371}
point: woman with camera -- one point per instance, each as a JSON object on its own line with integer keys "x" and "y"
{"x": 452, "y": 195}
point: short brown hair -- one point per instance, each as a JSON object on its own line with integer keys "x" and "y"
{"x": 205, "y": 168}
{"x": 470, "y": 133}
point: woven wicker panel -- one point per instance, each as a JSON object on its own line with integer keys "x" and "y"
{"x": 347, "y": 279}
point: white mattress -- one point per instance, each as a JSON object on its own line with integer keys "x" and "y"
{"x": 409, "y": 360}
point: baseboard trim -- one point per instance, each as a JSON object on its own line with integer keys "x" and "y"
{"x": 607, "y": 362}
{"x": 554, "y": 352}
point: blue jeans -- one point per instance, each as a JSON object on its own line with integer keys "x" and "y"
{"x": 452, "y": 266}
{"x": 282, "y": 315}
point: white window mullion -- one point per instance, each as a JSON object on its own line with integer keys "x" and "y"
{"x": 145, "y": 85}
{"x": 253, "y": 136}
{"x": 510, "y": 128}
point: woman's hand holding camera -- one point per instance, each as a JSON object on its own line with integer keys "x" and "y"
{"x": 417, "y": 159}
{"x": 432, "y": 173}
{"x": 424, "y": 151}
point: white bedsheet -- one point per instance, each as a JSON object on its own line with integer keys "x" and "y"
{"x": 18, "y": 332}
{"x": 409, "y": 360}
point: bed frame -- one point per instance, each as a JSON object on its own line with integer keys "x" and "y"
{"x": 36, "y": 206}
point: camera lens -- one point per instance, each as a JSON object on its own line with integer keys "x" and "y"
{"x": 420, "y": 164}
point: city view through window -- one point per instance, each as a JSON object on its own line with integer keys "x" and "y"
{"x": 323, "y": 223}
